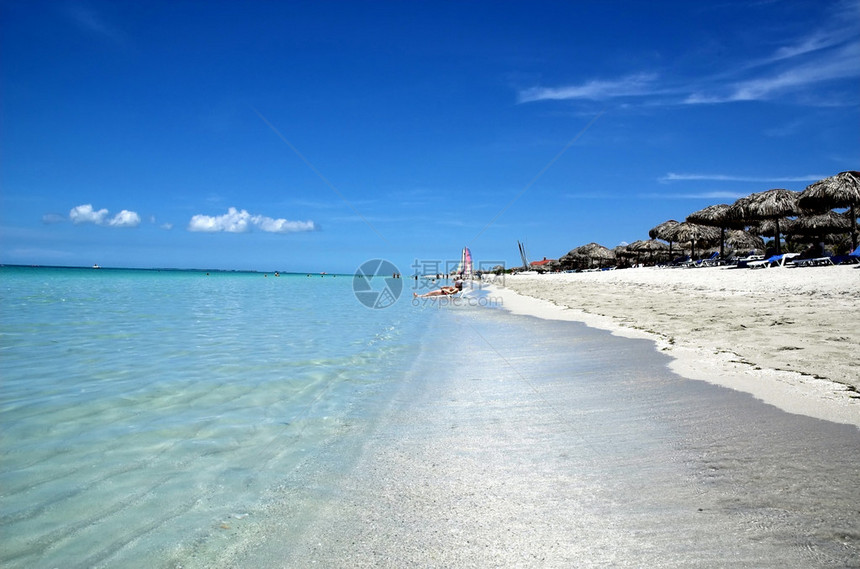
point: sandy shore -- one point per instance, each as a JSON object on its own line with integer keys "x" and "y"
{"x": 789, "y": 336}
{"x": 535, "y": 443}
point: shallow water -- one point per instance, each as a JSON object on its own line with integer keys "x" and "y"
{"x": 142, "y": 411}
{"x": 530, "y": 443}
{"x": 179, "y": 420}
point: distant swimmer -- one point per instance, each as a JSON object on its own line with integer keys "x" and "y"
{"x": 444, "y": 291}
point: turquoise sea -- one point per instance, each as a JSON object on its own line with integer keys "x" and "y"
{"x": 178, "y": 419}
{"x": 143, "y": 410}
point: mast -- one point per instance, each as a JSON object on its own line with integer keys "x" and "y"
{"x": 523, "y": 256}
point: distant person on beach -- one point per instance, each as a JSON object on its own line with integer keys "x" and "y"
{"x": 444, "y": 291}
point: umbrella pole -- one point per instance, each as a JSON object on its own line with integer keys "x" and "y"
{"x": 722, "y": 242}
{"x": 776, "y": 221}
{"x": 853, "y": 228}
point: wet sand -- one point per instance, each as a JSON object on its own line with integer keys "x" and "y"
{"x": 787, "y": 335}
{"x": 534, "y": 443}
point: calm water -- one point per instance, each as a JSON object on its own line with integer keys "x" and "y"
{"x": 176, "y": 419}
{"x": 142, "y": 411}
{"x": 517, "y": 442}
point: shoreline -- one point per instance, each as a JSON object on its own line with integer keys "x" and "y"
{"x": 781, "y": 335}
{"x": 538, "y": 443}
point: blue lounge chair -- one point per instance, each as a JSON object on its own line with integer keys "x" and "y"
{"x": 774, "y": 261}
{"x": 711, "y": 261}
{"x": 851, "y": 258}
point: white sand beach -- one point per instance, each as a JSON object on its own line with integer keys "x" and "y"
{"x": 789, "y": 336}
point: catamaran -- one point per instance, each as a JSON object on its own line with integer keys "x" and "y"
{"x": 464, "y": 269}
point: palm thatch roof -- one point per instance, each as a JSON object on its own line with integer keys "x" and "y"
{"x": 841, "y": 190}
{"x": 585, "y": 256}
{"x": 694, "y": 234}
{"x": 742, "y": 240}
{"x": 651, "y": 249}
{"x": 765, "y": 227}
{"x": 771, "y": 204}
{"x": 663, "y": 231}
{"x": 820, "y": 225}
{"x": 717, "y": 216}
{"x": 651, "y": 245}
{"x": 595, "y": 251}
{"x": 687, "y": 232}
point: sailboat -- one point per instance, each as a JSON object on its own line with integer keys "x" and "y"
{"x": 522, "y": 247}
{"x": 464, "y": 269}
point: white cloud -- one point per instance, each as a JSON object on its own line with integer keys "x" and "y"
{"x": 240, "y": 221}
{"x": 233, "y": 221}
{"x": 125, "y": 218}
{"x": 638, "y": 85}
{"x": 841, "y": 64}
{"x": 673, "y": 177}
{"x": 715, "y": 195}
{"x": 51, "y": 218}
{"x": 86, "y": 214}
{"x": 826, "y": 53}
{"x": 282, "y": 225}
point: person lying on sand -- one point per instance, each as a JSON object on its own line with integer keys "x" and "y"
{"x": 444, "y": 291}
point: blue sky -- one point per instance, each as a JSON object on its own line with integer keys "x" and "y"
{"x": 313, "y": 136}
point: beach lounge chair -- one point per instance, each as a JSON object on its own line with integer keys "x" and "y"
{"x": 816, "y": 262}
{"x": 744, "y": 262}
{"x": 711, "y": 261}
{"x": 774, "y": 261}
{"x": 680, "y": 261}
{"x": 851, "y": 258}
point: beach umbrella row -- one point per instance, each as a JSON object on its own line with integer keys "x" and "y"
{"x": 768, "y": 213}
{"x": 801, "y": 216}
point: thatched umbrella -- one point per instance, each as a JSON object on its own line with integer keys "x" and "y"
{"x": 622, "y": 252}
{"x": 664, "y": 232}
{"x": 821, "y": 224}
{"x": 737, "y": 239}
{"x": 766, "y": 227}
{"x": 772, "y": 204}
{"x": 716, "y": 216}
{"x": 652, "y": 247}
{"x": 693, "y": 233}
{"x": 841, "y": 190}
{"x": 585, "y": 255}
{"x": 816, "y": 228}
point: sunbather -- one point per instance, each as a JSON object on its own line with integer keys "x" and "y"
{"x": 444, "y": 291}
